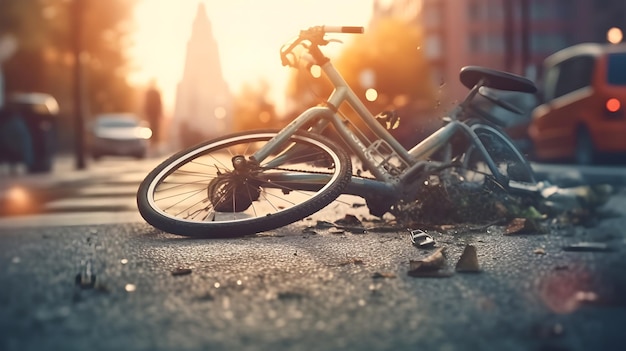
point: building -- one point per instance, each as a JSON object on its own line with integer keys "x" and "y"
{"x": 203, "y": 107}
{"x": 509, "y": 35}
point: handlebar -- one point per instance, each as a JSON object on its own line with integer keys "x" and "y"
{"x": 342, "y": 29}
{"x": 315, "y": 38}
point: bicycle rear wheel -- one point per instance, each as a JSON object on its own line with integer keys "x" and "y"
{"x": 205, "y": 191}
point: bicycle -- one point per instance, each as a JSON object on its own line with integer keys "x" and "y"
{"x": 251, "y": 182}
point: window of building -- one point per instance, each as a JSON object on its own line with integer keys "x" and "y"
{"x": 564, "y": 9}
{"x": 495, "y": 43}
{"x": 495, "y": 10}
{"x": 477, "y": 10}
{"x": 548, "y": 43}
{"x": 475, "y": 42}
{"x": 540, "y": 10}
{"x": 431, "y": 16}
{"x": 433, "y": 47}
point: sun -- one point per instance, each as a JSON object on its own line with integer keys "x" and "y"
{"x": 249, "y": 34}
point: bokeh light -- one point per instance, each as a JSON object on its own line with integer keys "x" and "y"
{"x": 371, "y": 94}
{"x": 614, "y": 35}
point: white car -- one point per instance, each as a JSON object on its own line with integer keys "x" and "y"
{"x": 119, "y": 134}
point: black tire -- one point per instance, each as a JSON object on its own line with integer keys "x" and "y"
{"x": 584, "y": 153}
{"x": 257, "y": 197}
{"x": 508, "y": 159}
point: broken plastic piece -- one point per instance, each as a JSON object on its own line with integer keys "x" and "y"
{"x": 421, "y": 238}
{"x": 430, "y": 266}
{"x": 86, "y": 279}
{"x": 468, "y": 262}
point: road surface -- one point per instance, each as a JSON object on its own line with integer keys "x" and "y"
{"x": 127, "y": 286}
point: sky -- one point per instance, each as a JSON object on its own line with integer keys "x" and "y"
{"x": 249, "y": 34}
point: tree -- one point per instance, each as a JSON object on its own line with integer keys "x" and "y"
{"x": 252, "y": 109}
{"x": 44, "y": 62}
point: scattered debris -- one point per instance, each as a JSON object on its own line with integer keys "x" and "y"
{"x": 338, "y": 228}
{"x": 335, "y": 230}
{"x": 468, "y": 263}
{"x": 454, "y": 200}
{"x": 86, "y": 279}
{"x": 523, "y": 226}
{"x": 421, "y": 239}
{"x": 386, "y": 275}
{"x": 355, "y": 261}
{"x": 349, "y": 220}
{"x": 429, "y": 266}
{"x": 589, "y": 247}
{"x": 181, "y": 271}
{"x": 309, "y": 230}
{"x": 354, "y": 230}
{"x": 449, "y": 197}
{"x": 324, "y": 224}
{"x": 580, "y": 197}
{"x": 482, "y": 228}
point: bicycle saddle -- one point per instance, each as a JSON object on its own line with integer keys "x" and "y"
{"x": 472, "y": 75}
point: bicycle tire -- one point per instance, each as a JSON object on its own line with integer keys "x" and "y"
{"x": 508, "y": 159}
{"x": 254, "y": 218}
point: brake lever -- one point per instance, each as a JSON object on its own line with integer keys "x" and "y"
{"x": 328, "y": 41}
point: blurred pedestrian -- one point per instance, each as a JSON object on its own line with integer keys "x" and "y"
{"x": 153, "y": 110}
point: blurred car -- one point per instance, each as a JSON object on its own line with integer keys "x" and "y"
{"x": 29, "y": 122}
{"x": 582, "y": 112}
{"x": 119, "y": 134}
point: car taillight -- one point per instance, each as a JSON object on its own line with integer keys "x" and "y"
{"x": 613, "y": 107}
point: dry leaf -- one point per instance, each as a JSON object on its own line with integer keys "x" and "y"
{"x": 431, "y": 263}
{"x": 523, "y": 226}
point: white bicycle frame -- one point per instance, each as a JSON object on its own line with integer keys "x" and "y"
{"x": 409, "y": 163}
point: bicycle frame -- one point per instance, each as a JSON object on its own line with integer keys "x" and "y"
{"x": 412, "y": 162}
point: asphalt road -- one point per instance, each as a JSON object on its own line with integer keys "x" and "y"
{"x": 84, "y": 283}
{"x": 131, "y": 287}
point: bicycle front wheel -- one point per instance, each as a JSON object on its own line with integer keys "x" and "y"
{"x": 205, "y": 191}
{"x": 508, "y": 160}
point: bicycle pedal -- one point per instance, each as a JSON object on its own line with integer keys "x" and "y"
{"x": 421, "y": 238}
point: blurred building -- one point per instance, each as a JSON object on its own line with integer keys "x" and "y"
{"x": 510, "y": 35}
{"x": 203, "y": 107}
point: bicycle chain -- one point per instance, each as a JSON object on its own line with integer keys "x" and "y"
{"x": 313, "y": 172}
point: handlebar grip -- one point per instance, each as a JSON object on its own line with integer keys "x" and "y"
{"x": 343, "y": 29}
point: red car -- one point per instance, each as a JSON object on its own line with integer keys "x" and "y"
{"x": 582, "y": 114}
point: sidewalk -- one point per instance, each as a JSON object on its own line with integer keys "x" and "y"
{"x": 65, "y": 172}
{"x": 102, "y": 193}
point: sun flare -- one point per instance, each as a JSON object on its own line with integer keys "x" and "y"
{"x": 248, "y": 33}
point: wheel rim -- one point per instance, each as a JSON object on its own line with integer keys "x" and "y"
{"x": 506, "y": 157}
{"x": 180, "y": 190}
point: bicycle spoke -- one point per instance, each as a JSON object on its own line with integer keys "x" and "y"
{"x": 201, "y": 190}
